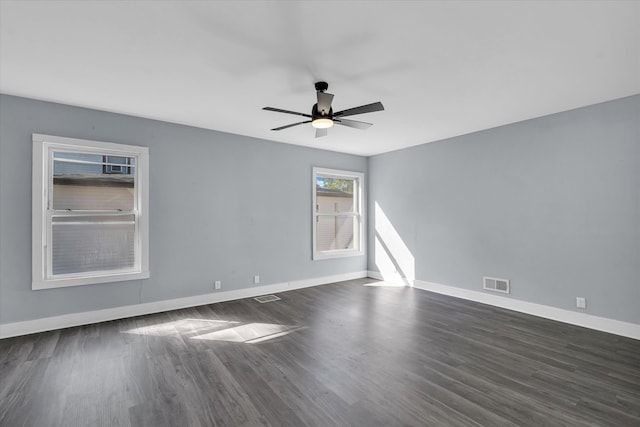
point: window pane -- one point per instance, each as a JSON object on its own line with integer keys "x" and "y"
{"x": 93, "y": 243}
{"x": 93, "y": 182}
{"x": 334, "y": 195}
{"x": 76, "y": 163}
{"x": 335, "y": 232}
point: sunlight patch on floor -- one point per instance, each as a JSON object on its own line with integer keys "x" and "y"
{"x": 250, "y": 333}
{"x": 217, "y": 330}
{"x": 180, "y": 327}
{"x": 386, "y": 284}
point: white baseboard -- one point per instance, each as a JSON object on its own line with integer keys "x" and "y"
{"x": 617, "y": 327}
{"x": 76, "y": 319}
{"x": 612, "y": 326}
{"x": 395, "y": 278}
{"x": 375, "y": 275}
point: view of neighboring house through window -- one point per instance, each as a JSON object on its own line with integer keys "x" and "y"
{"x": 337, "y": 229}
{"x": 90, "y": 212}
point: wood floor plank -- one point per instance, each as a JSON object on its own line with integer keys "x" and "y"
{"x": 344, "y": 354}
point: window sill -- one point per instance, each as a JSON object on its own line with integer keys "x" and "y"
{"x": 320, "y": 255}
{"x": 88, "y": 280}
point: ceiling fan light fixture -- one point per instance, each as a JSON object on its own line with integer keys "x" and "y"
{"x": 322, "y": 123}
{"x": 321, "y": 117}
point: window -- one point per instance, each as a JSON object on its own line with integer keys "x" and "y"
{"x": 90, "y": 212}
{"x": 337, "y": 213}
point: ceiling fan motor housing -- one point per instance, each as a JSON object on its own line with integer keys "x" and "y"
{"x": 317, "y": 114}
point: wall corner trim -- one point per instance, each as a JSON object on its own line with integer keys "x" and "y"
{"x": 612, "y": 326}
{"x": 26, "y": 327}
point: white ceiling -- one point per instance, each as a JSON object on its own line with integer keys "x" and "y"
{"x": 441, "y": 68}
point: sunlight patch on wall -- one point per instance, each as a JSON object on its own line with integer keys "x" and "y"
{"x": 393, "y": 258}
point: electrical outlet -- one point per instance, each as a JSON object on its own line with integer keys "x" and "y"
{"x": 256, "y": 279}
{"x": 581, "y": 302}
{"x": 218, "y": 284}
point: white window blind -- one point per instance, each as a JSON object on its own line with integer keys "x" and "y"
{"x": 84, "y": 244}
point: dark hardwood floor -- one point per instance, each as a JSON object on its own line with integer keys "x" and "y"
{"x": 336, "y": 355}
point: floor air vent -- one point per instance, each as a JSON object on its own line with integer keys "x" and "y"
{"x": 266, "y": 298}
{"x": 496, "y": 285}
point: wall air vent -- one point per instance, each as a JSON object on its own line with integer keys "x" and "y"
{"x": 266, "y": 298}
{"x": 496, "y": 285}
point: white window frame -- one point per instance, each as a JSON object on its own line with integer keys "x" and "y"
{"x": 43, "y": 148}
{"x": 358, "y": 238}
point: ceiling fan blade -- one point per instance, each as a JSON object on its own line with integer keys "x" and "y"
{"x": 279, "y": 110}
{"x": 291, "y": 125}
{"x": 324, "y": 102}
{"x": 321, "y": 132}
{"x": 353, "y": 123}
{"x": 369, "y": 108}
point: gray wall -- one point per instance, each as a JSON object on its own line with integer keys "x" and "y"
{"x": 553, "y": 204}
{"x": 222, "y": 207}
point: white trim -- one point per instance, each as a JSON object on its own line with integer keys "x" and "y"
{"x": 77, "y": 319}
{"x": 43, "y": 147}
{"x": 359, "y": 232}
{"x": 375, "y": 275}
{"x": 39, "y": 199}
{"x": 612, "y": 326}
{"x": 393, "y": 279}
{"x": 617, "y": 327}
{"x": 87, "y": 143}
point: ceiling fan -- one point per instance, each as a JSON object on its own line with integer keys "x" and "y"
{"x": 322, "y": 116}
